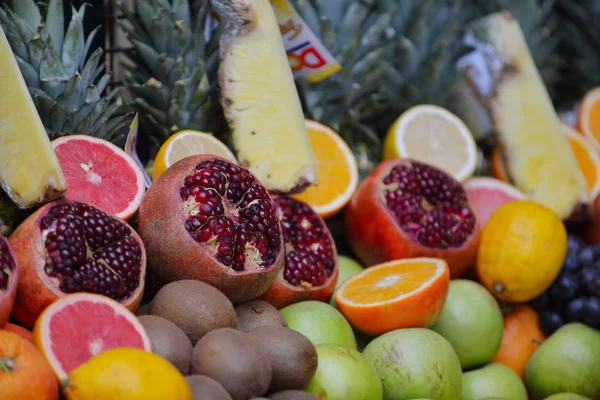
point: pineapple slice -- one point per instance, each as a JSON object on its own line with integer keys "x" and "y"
{"x": 538, "y": 157}
{"x": 29, "y": 170}
{"x": 260, "y": 100}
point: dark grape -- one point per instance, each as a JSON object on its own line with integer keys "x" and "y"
{"x": 571, "y": 263}
{"x": 586, "y": 256}
{"x": 587, "y": 276}
{"x": 565, "y": 287}
{"x": 574, "y": 311}
{"x": 550, "y": 322}
{"x": 541, "y": 303}
{"x": 591, "y": 312}
{"x": 594, "y": 286}
{"x": 574, "y": 244}
{"x": 596, "y": 250}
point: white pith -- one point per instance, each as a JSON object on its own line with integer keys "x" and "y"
{"x": 341, "y": 200}
{"x": 441, "y": 265}
{"x": 68, "y": 300}
{"x": 140, "y": 182}
{"x": 408, "y": 116}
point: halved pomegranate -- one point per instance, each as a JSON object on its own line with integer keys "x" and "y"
{"x": 70, "y": 246}
{"x": 407, "y": 209}
{"x": 9, "y": 273}
{"x": 208, "y": 219}
{"x": 310, "y": 271}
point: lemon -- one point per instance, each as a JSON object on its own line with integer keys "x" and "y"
{"x": 126, "y": 374}
{"x": 435, "y": 136}
{"x": 188, "y": 143}
{"x": 522, "y": 249}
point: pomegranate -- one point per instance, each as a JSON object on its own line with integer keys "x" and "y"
{"x": 9, "y": 273}
{"x": 407, "y": 209}
{"x": 310, "y": 270}
{"x": 208, "y": 219}
{"x": 70, "y": 246}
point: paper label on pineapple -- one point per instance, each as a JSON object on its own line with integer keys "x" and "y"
{"x": 130, "y": 146}
{"x": 308, "y": 57}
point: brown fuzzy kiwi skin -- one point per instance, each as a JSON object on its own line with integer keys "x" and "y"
{"x": 292, "y": 395}
{"x": 292, "y": 356}
{"x": 205, "y": 388}
{"x": 235, "y": 360}
{"x": 257, "y": 313}
{"x": 142, "y": 310}
{"x": 168, "y": 341}
{"x": 195, "y": 307}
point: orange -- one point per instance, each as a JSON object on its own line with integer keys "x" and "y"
{"x": 587, "y": 158}
{"x": 588, "y": 120}
{"x": 338, "y": 171}
{"x": 19, "y": 330}
{"x": 408, "y": 293}
{"x": 498, "y": 168}
{"x": 24, "y": 374}
{"x": 522, "y": 336}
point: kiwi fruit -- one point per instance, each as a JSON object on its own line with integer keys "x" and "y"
{"x": 168, "y": 341}
{"x": 195, "y": 307}
{"x": 292, "y": 395}
{"x": 257, "y": 313}
{"x": 205, "y": 388}
{"x": 235, "y": 360}
{"x": 292, "y": 356}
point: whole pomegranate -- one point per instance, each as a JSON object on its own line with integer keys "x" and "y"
{"x": 407, "y": 209}
{"x": 310, "y": 270}
{"x": 9, "y": 273}
{"x": 70, "y": 246}
{"x": 208, "y": 219}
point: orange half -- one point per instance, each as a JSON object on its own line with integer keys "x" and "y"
{"x": 338, "y": 171}
{"x": 588, "y": 120}
{"x": 408, "y": 293}
{"x": 587, "y": 158}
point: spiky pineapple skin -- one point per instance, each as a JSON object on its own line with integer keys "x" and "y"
{"x": 65, "y": 81}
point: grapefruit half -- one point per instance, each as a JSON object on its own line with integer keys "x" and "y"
{"x": 100, "y": 173}
{"x": 488, "y": 194}
{"x": 79, "y": 326}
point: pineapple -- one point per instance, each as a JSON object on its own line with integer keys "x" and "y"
{"x": 394, "y": 54}
{"x": 61, "y": 74}
{"x": 259, "y": 97}
{"x": 580, "y": 45}
{"x": 171, "y": 77}
{"x": 537, "y": 155}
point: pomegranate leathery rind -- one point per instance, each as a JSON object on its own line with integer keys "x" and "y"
{"x": 376, "y": 236}
{"x": 42, "y": 283}
{"x": 177, "y": 252}
{"x": 9, "y": 275}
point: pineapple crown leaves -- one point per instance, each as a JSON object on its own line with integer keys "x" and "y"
{"x": 173, "y": 76}
{"x": 66, "y": 85}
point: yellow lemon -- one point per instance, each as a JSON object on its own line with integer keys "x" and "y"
{"x": 126, "y": 374}
{"x": 522, "y": 249}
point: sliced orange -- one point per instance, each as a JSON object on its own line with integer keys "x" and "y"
{"x": 588, "y": 119}
{"x": 498, "y": 168}
{"x": 338, "y": 171}
{"x": 587, "y": 157}
{"x": 408, "y": 293}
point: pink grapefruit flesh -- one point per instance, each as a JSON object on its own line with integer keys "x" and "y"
{"x": 489, "y": 194}
{"x": 79, "y": 326}
{"x": 100, "y": 173}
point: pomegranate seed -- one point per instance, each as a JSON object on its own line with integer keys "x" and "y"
{"x": 7, "y": 264}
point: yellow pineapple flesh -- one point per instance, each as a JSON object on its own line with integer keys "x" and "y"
{"x": 260, "y": 100}
{"x": 29, "y": 170}
{"x": 537, "y": 154}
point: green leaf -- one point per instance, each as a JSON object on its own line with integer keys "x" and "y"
{"x": 55, "y": 23}
{"x": 29, "y": 11}
{"x": 51, "y": 69}
{"x": 30, "y": 74}
{"x": 74, "y": 46}
{"x": 13, "y": 34}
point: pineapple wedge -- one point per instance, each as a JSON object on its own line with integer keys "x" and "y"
{"x": 259, "y": 97}
{"x": 29, "y": 171}
{"x": 538, "y": 157}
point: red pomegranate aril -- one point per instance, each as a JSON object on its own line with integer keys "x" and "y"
{"x": 310, "y": 269}
{"x": 230, "y": 236}
{"x": 408, "y": 209}
{"x": 70, "y": 246}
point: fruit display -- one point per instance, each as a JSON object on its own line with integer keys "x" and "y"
{"x": 300, "y": 200}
